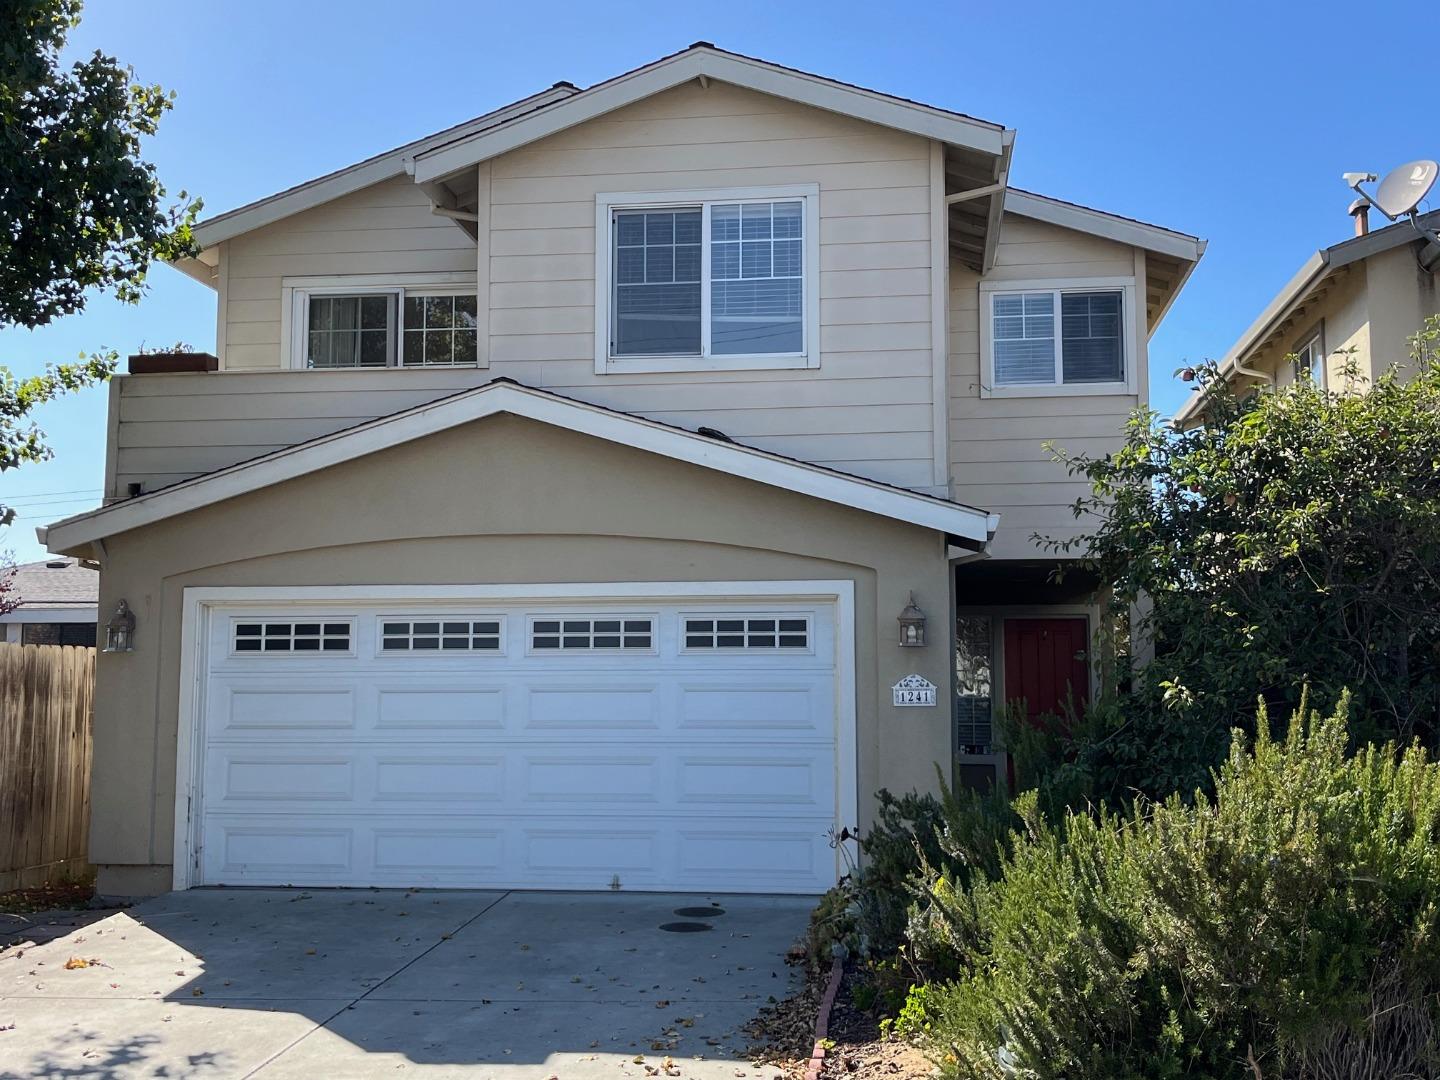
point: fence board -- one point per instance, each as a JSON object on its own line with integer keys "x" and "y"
{"x": 46, "y": 710}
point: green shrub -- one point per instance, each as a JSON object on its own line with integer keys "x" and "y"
{"x": 1285, "y": 929}
{"x": 905, "y": 835}
{"x": 960, "y": 837}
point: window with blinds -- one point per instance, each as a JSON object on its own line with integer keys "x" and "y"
{"x": 717, "y": 279}
{"x": 1058, "y": 337}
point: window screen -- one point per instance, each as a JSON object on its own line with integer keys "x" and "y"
{"x": 656, "y": 283}
{"x": 350, "y": 331}
{"x": 1090, "y": 337}
{"x": 439, "y": 330}
{"x": 757, "y": 294}
{"x": 1024, "y": 338}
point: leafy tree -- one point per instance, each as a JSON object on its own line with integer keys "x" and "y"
{"x": 1291, "y": 539}
{"x": 81, "y": 209}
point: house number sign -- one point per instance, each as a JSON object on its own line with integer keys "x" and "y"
{"x": 913, "y": 691}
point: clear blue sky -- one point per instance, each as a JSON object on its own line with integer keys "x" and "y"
{"x": 1231, "y": 121}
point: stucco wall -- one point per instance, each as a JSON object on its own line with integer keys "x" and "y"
{"x": 502, "y": 500}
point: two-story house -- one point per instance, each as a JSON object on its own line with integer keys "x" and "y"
{"x": 605, "y": 492}
{"x": 1344, "y": 319}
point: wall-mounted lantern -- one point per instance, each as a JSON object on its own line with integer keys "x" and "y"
{"x": 120, "y": 630}
{"x": 912, "y": 625}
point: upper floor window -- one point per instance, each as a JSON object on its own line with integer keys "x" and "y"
{"x": 707, "y": 280}
{"x": 1310, "y": 361}
{"x": 377, "y": 326}
{"x": 1045, "y": 338}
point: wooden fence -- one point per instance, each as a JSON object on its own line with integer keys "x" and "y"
{"x": 46, "y": 706}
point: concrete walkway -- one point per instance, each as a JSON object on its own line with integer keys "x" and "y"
{"x": 321, "y": 984}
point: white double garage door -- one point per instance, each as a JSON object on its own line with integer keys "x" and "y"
{"x": 585, "y": 741}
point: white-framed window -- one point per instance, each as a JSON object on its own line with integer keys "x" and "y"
{"x": 1059, "y": 337}
{"x": 746, "y": 633}
{"x": 341, "y": 323}
{"x": 707, "y": 280}
{"x": 1310, "y": 361}
{"x": 592, "y": 633}
{"x": 442, "y": 634}
{"x": 291, "y": 636}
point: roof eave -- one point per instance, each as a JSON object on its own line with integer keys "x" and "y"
{"x": 75, "y": 534}
{"x": 707, "y": 62}
{"x": 1296, "y": 289}
{"x": 352, "y": 178}
{"x": 1176, "y": 245}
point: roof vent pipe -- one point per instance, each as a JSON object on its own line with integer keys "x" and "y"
{"x": 1360, "y": 211}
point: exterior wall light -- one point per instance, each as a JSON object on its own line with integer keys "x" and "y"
{"x": 120, "y": 630}
{"x": 912, "y": 625}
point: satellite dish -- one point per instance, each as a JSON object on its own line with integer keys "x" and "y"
{"x": 1403, "y": 188}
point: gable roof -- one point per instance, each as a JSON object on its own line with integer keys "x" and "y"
{"x": 1308, "y": 280}
{"x": 1126, "y": 230}
{"x": 362, "y": 174}
{"x": 55, "y": 583}
{"x": 1171, "y": 256}
{"x": 966, "y": 525}
{"x": 704, "y": 61}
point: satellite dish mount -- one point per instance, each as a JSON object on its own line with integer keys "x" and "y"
{"x": 1398, "y": 196}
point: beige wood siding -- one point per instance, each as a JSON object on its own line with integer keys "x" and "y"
{"x": 997, "y": 455}
{"x": 384, "y": 229}
{"x": 868, "y": 408}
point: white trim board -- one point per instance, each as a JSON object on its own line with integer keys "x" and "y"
{"x": 199, "y": 603}
{"x": 706, "y": 62}
{"x": 952, "y": 519}
{"x": 1163, "y": 241}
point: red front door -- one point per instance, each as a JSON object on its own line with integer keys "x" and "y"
{"x": 1047, "y": 665}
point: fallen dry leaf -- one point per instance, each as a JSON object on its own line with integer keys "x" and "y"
{"x": 77, "y": 962}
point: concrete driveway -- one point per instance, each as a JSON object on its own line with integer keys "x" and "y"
{"x": 322, "y": 984}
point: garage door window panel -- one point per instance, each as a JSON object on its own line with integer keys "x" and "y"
{"x": 297, "y": 637}
{"x": 443, "y": 634}
{"x": 746, "y": 633}
{"x": 578, "y": 633}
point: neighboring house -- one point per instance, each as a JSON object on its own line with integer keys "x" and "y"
{"x": 549, "y": 516}
{"x": 1344, "y": 318}
{"x": 57, "y": 600}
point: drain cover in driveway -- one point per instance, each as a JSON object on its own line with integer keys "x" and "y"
{"x": 685, "y": 927}
{"x": 699, "y": 912}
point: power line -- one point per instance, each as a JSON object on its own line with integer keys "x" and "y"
{"x": 41, "y": 494}
{"x": 26, "y": 504}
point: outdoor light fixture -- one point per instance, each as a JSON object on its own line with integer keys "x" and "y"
{"x": 912, "y": 625}
{"x": 120, "y": 630}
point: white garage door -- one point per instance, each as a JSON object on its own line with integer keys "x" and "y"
{"x": 686, "y": 745}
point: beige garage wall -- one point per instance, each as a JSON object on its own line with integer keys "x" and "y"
{"x": 502, "y": 500}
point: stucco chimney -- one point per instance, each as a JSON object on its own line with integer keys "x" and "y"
{"x": 1360, "y": 211}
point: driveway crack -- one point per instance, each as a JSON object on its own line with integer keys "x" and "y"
{"x": 352, "y": 1003}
